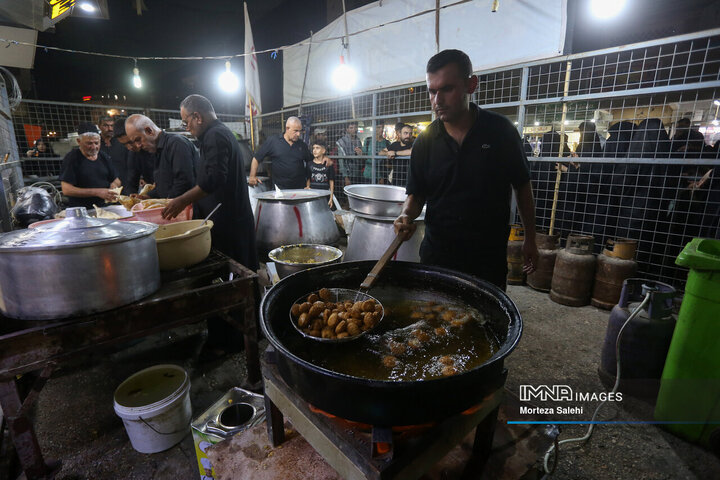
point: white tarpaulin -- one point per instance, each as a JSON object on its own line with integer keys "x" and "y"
{"x": 397, "y": 51}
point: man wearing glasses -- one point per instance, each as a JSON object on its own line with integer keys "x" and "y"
{"x": 220, "y": 180}
{"x": 175, "y": 157}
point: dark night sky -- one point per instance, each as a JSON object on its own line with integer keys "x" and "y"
{"x": 171, "y": 28}
{"x": 216, "y": 27}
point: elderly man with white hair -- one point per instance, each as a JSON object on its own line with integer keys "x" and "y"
{"x": 88, "y": 175}
{"x": 288, "y": 155}
{"x": 175, "y": 157}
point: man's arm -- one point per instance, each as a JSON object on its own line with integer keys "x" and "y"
{"x": 178, "y": 204}
{"x": 70, "y": 190}
{"x": 411, "y": 210}
{"x": 526, "y": 208}
{"x": 253, "y": 180}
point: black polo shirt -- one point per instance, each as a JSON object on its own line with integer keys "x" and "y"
{"x": 288, "y": 161}
{"x": 468, "y": 186}
{"x": 175, "y": 161}
{"x": 80, "y": 172}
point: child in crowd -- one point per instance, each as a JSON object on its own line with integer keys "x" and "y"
{"x": 320, "y": 172}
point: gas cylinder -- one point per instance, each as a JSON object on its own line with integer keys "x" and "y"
{"x": 645, "y": 340}
{"x": 574, "y": 272}
{"x": 515, "y": 260}
{"x": 614, "y": 265}
{"x": 541, "y": 278}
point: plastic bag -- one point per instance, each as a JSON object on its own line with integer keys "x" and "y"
{"x": 33, "y": 204}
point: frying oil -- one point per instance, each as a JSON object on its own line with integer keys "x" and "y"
{"x": 417, "y": 340}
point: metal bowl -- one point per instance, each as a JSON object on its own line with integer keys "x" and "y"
{"x": 340, "y": 294}
{"x": 376, "y": 200}
{"x": 293, "y": 258}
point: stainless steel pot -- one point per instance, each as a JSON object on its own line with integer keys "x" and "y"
{"x": 76, "y": 266}
{"x": 300, "y": 216}
{"x": 370, "y": 237}
{"x": 378, "y": 200}
{"x": 293, "y": 258}
{"x": 257, "y": 189}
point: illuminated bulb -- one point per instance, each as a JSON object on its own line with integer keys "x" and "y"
{"x": 228, "y": 80}
{"x": 537, "y": 123}
{"x": 344, "y": 76}
{"x": 605, "y": 9}
{"x": 87, "y": 7}
{"x": 717, "y": 102}
{"x": 137, "y": 81}
{"x": 593, "y": 120}
{"x": 716, "y": 122}
{"x": 567, "y": 122}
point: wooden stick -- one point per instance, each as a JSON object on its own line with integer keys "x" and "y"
{"x": 556, "y": 193}
{"x": 380, "y": 265}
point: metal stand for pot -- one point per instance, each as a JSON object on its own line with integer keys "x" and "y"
{"x": 381, "y": 453}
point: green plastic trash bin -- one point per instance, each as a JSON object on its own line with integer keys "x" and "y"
{"x": 690, "y": 385}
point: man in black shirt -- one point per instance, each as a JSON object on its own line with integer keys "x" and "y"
{"x": 221, "y": 179}
{"x": 289, "y": 156}
{"x": 465, "y": 165}
{"x": 87, "y": 174}
{"x": 140, "y": 164}
{"x": 119, "y": 155}
{"x": 400, "y": 148}
{"x": 176, "y": 158}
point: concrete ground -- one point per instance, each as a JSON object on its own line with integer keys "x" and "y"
{"x": 75, "y": 420}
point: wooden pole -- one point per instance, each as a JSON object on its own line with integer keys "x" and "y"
{"x": 558, "y": 166}
{"x": 307, "y": 64}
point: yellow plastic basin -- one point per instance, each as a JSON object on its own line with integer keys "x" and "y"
{"x": 183, "y": 244}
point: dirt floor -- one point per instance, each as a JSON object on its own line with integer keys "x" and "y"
{"x": 75, "y": 421}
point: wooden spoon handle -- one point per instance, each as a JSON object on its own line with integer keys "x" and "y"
{"x": 380, "y": 265}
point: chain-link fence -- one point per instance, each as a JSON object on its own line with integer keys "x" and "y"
{"x": 636, "y": 128}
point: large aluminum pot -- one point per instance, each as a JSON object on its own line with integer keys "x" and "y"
{"x": 378, "y": 200}
{"x": 289, "y": 259}
{"x": 299, "y": 216}
{"x": 257, "y": 189}
{"x": 76, "y": 266}
{"x": 371, "y": 236}
{"x": 388, "y": 402}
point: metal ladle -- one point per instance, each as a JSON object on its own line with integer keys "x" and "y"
{"x": 341, "y": 294}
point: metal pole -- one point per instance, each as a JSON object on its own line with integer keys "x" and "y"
{"x": 252, "y": 129}
{"x": 437, "y": 26}
{"x": 373, "y": 140}
{"x": 347, "y": 48}
{"x": 559, "y": 167}
{"x": 307, "y": 64}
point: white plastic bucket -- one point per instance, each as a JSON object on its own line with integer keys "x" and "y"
{"x": 154, "y": 405}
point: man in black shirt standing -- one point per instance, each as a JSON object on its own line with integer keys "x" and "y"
{"x": 140, "y": 164}
{"x": 400, "y": 148}
{"x": 221, "y": 179}
{"x": 119, "y": 155}
{"x": 289, "y": 156}
{"x": 87, "y": 174}
{"x": 465, "y": 165}
{"x": 176, "y": 158}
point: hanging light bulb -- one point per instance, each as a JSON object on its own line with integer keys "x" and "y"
{"x": 137, "y": 81}
{"x": 228, "y": 81}
{"x": 344, "y": 76}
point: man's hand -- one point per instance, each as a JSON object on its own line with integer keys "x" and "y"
{"x": 106, "y": 194}
{"x": 391, "y": 154}
{"x": 173, "y": 208}
{"x": 404, "y": 226}
{"x": 253, "y": 180}
{"x": 358, "y": 151}
{"x": 530, "y": 254}
{"x": 328, "y": 162}
{"x": 347, "y": 181}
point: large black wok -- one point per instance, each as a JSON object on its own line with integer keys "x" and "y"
{"x": 388, "y": 402}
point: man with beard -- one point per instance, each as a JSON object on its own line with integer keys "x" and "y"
{"x": 175, "y": 157}
{"x": 87, "y": 175}
{"x": 221, "y": 179}
{"x": 400, "y": 148}
{"x": 465, "y": 165}
{"x": 140, "y": 163}
{"x": 349, "y": 144}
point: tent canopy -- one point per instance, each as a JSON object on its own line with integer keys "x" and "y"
{"x": 391, "y": 41}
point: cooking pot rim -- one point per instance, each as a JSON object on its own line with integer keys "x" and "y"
{"x": 305, "y": 195}
{"x": 349, "y": 191}
{"x": 505, "y": 348}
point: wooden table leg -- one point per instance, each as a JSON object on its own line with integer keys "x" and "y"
{"x": 23, "y": 434}
{"x": 482, "y": 446}
{"x": 275, "y": 423}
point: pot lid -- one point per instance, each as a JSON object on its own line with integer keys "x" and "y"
{"x": 293, "y": 195}
{"x": 76, "y": 230}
